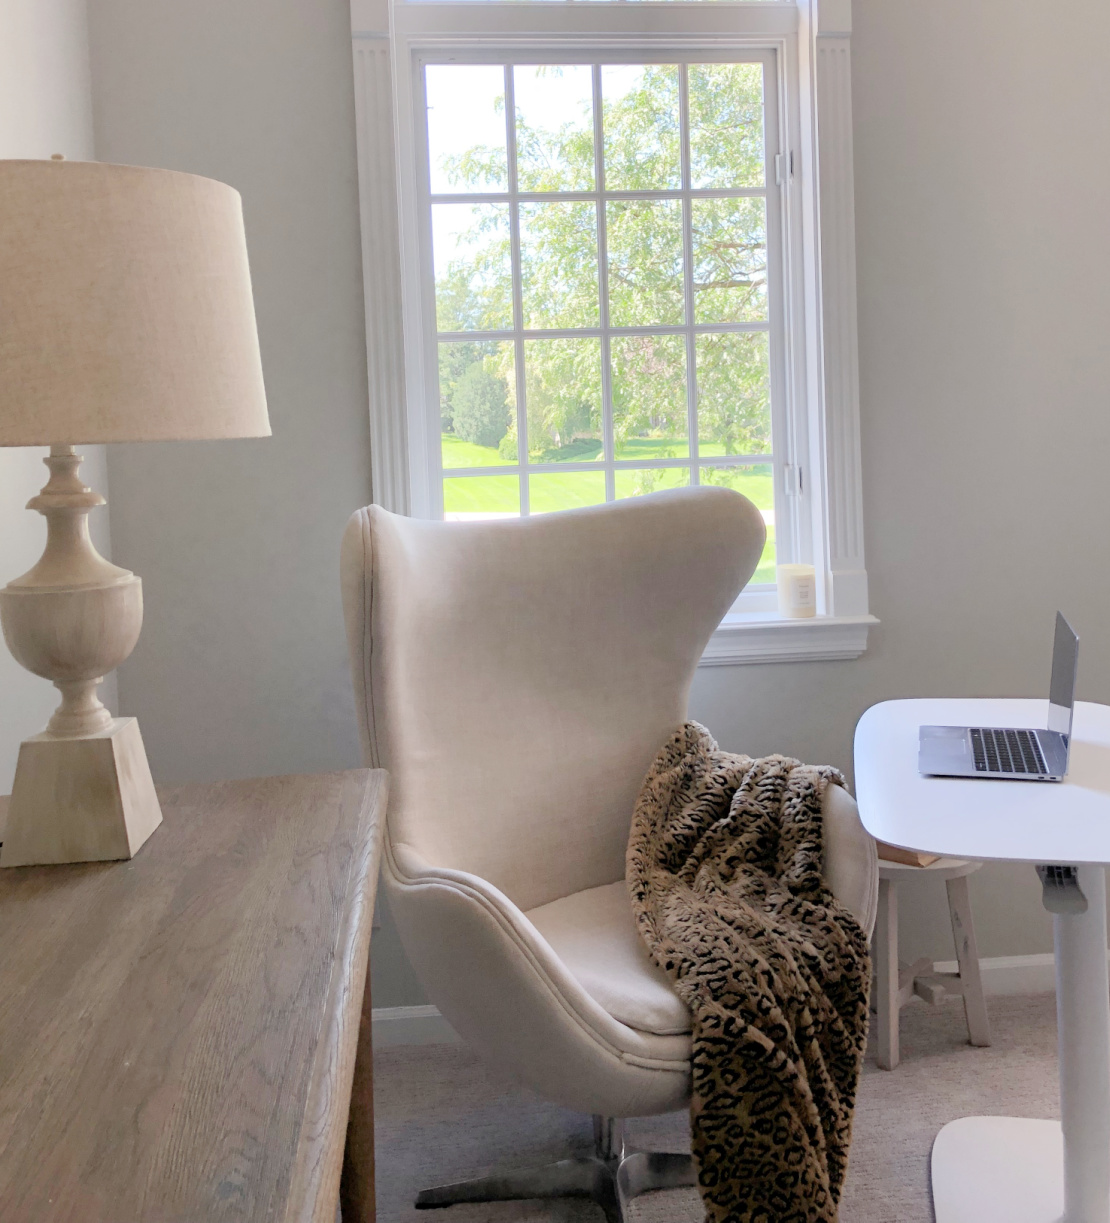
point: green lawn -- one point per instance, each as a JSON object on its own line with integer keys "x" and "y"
{"x": 551, "y": 491}
{"x": 457, "y": 453}
{"x": 566, "y": 490}
{"x": 482, "y": 495}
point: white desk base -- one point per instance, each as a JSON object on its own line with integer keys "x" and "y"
{"x": 998, "y": 1170}
{"x": 1014, "y": 1170}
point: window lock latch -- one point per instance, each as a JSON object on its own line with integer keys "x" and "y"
{"x": 792, "y": 480}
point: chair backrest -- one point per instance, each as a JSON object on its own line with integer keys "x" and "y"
{"x": 517, "y": 677}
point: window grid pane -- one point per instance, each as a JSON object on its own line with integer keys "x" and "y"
{"x": 477, "y": 401}
{"x": 600, "y": 393}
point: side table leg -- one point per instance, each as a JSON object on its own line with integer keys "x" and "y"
{"x": 1083, "y": 1026}
{"x": 887, "y": 1004}
{"x": 967, "y": 956}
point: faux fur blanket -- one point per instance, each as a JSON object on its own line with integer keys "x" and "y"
{"x": 724, "y": 869}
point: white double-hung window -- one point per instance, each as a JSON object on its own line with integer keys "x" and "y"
{"x": 601, "y": 230}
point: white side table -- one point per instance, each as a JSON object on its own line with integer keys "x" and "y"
{"x": 896, "y": 983}
{"x": 1009, "y": 1169}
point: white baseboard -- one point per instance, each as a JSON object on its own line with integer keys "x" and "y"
{"x": 411, "y": 1025}
{"x": 1012, "y": 974}
{"x": 1004, "y": 974}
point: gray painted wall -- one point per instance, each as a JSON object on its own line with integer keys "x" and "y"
{"x": 983, "y": 255}
{"x": 984, "y": 302}
{"x": 45, "y": 108}
{"x": 241, "y": 669}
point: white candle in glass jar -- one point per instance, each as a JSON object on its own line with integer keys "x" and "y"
{"x": 797, "y": 585}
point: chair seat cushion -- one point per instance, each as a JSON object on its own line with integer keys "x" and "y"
{"x": 595, "y": 936}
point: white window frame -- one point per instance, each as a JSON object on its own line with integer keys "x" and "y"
{"x": 814, "y": 392}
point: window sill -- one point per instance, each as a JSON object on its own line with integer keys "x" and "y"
{"x": 756, "y": 637}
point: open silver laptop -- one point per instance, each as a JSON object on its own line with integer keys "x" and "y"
{"x": 1011, "y": 752}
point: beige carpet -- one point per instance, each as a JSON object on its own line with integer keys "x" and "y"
{"x": 442, "y": 1116}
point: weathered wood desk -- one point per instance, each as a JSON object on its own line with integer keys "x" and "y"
{"x": 178, "y": 1033}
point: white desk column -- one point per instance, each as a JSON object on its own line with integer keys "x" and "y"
{"x": 1083, "y": 1025}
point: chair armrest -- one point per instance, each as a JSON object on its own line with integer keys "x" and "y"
{"x": 501, "y": 986}
{"x": 851, "y": 861}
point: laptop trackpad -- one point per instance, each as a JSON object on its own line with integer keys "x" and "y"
{"x": 945, "y": 745}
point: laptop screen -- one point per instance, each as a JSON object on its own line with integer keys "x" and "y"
{"x": 1061, "y": 690}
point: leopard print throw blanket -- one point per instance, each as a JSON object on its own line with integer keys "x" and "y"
{"x": 724, "y": 869}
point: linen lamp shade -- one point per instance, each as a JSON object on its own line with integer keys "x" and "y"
{"x": 125, "y": 307}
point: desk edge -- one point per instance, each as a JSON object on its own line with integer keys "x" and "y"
{"x": 314, "y": 1184}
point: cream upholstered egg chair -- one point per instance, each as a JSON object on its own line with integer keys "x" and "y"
{"x": 517, "y": 678}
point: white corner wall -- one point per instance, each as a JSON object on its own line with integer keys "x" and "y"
{"x": 45, "y": 108}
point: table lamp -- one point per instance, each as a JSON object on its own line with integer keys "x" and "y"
{"x": 125, "y": 315}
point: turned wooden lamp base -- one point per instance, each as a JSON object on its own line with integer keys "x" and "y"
{"x": 87, "y": 799}
{"x": 82, "y": 789}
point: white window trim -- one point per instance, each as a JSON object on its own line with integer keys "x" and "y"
{"x": 813, "y": 39}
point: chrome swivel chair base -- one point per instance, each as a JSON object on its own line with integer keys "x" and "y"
{"x": 611, "y": 1177}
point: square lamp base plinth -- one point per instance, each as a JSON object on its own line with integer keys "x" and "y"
{"x": 87, "y": 799}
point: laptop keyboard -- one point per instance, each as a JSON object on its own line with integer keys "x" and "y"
{"x": 1006, "y": 751}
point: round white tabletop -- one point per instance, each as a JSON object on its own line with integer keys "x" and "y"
{"x": 971, "y": 817}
